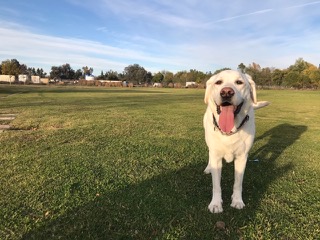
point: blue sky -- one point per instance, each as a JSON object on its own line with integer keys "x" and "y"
{"x": 159, "y": 34}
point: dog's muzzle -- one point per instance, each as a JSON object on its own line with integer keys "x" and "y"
{"x": 237, "y": 109}
{"x": 227, "y": 114}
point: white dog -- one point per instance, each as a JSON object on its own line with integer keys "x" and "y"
{"x": 229, "y": 129}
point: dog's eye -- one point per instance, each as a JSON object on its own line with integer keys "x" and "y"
{"x": 219, "y": 82}
{"x": 239, "y": 82}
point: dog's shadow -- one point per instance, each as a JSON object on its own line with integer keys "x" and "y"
{"x": 278, "y": 139}
{"x": 263, "y": 167}
{"x": 174, "y": 205}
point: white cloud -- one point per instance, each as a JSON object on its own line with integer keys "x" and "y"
{"x": 49, "y": 51}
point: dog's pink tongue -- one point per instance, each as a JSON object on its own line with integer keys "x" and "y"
{"x": 226, "y": 118}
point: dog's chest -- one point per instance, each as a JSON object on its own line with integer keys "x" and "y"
{"x": 230, "y": 147}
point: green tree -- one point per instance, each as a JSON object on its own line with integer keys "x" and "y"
{"x": 23, "y": 69}
{"x": 31, "y": 71}
{"x": 55, "y": 73}
{"x": 315, "y": 78}
{"x": 158, "y": 77}
{"x": 87, "y": 70}
{"x": 202, "y": 77}
{"x": 220, "y": 70}
{"x": 299, "y": 66}
{"x": 149, "y": 77}
{"x": 136, "y": 74}
{"x": 78, "y": 74}
{"x": 180, "y": 77}
{"x": 168, "y": 77}
{"x": 292, "y": 79}
{"x": 62, "y": 72}
{"x": 277, "y": 77}
{"x": 66, "y": 71}
{"x": 300, "y": 74}
{"x": 253, "y": 72}
{"x": 265, "y": 77}
{"x": 313, "y": 74}
{"x": 112, "y": 75}
{"x": 40, "y": 72}
{"x": 11, "y": 68}
{"x": 192, "y": 75}
{"x": 242, "y": 67}
{"x": 101, "y": 76}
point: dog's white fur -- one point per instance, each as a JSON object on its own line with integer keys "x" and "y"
{"x": 233, "y": 146}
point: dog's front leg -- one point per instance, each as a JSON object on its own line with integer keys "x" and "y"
{"x": 239, "y": 168}
{"x": 215, "y": 166}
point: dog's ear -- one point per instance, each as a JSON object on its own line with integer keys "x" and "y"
{"x": 209, "y": 89}
{"x": 253, "y": 89}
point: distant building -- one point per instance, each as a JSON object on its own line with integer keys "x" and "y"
{"x": 124, "y": 84}
{"x": 23, "y": 78}
{"x": 112, "y": 83}
{"x": 35, "y": 79}
{"x": 44, "y": 80}
{"x": 157, "y": 85}
{"x": 89, "y": 77}
{"x": 7, "y": 78}
{"x": 191, "y": 84}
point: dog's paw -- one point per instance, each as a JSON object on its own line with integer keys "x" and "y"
{"x": 215, "y": 207}
{"x": 238, "y": 204}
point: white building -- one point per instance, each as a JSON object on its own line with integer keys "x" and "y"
{"x": 22, "y": 78}
{"x": 7, "y": 78}
{"x": 89, "y": 77}
{"x": 191, "y": 84}
{"x": 157, "y": 85}
{"x": 35, "y": 79}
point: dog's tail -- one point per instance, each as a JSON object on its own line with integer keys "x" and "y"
{"x": 260, "y": 104}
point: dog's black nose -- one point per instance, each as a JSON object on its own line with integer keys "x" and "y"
{"x": 226, "y": 92}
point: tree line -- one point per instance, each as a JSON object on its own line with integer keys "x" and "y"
{"x": 14, "y": 68}
{"x": 301, "y": 74}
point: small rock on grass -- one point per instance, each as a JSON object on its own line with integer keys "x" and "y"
{"x": 220, "y": 225}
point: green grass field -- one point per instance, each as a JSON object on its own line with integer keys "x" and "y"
{"x": 102, "y": 163}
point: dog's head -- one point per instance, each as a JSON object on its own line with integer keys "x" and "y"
{"x": 229, "y": 94}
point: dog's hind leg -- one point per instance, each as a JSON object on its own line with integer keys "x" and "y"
{"x": 239, "y": 168}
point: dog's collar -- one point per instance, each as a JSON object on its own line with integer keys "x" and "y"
{"x": 246, "y": 119}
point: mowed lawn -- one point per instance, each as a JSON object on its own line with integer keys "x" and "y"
{"x": 120, "y": 163}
